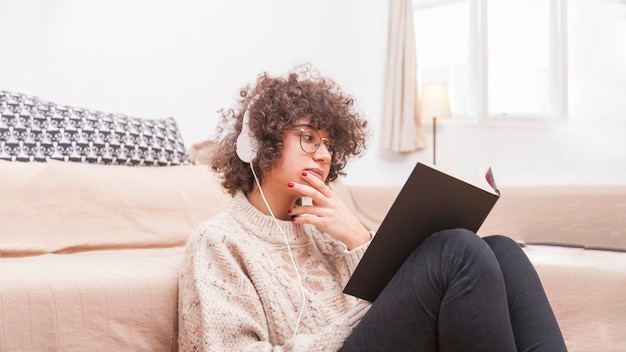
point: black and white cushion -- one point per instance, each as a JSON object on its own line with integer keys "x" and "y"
{"x": 36, "y": 130}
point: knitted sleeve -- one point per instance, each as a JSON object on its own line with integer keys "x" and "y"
{"x": 220, "y": 310}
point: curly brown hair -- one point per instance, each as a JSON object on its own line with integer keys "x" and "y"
{"x": 274, "y": 104}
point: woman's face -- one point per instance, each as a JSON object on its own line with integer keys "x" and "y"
{"x": 295, "y": 159}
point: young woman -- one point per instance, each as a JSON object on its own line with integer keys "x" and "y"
{"x": 268, "y": 272}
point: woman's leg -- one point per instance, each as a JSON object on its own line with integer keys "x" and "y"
{"x": 448, "y": 296}
{"x": 534, "y": 325}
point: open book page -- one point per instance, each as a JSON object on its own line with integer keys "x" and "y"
{"x": 488, "y": 177}
{"x": 483, "y": 179}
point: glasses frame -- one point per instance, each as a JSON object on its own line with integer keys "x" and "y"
{"x": 303, "y": 129}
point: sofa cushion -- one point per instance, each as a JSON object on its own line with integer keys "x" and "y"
{"x": 59, "y": 207}
{"x": 35, "y": 130}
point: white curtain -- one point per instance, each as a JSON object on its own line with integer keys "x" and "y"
{"x": 402, "y": 127}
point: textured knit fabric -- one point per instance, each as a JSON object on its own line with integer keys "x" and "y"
{"x": 239, "y": 291}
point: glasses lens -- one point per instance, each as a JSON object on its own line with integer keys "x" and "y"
{"x": 309, "y": 140}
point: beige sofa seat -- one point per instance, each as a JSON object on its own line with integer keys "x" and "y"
{"x": 585, "y": 288}
{"x": 122, "y": 300}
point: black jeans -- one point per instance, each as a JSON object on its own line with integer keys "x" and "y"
{"x": 460, "y": 292}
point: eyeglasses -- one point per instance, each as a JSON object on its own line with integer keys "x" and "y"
{"x": 310, "y": 140}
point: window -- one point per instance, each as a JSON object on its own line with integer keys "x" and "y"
{"x": 502, "y": 59}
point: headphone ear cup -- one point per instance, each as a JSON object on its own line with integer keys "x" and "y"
{"x": 246, "y": 145}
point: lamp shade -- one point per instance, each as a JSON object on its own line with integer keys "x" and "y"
{"x": 434, "y": 102}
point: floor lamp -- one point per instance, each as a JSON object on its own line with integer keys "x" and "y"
{"x": 434, "y": 105}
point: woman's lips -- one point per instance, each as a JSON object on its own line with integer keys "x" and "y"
{"x": 316, "y": 172}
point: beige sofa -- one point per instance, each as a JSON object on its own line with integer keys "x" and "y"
{"x": 89, "y": 254}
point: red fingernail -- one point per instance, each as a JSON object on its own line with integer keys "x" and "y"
{"x": 290, "y": 184}
{"x": 289, "y": 211}
{"x": 304, "y": 173}
{"x": 293, "y": 219}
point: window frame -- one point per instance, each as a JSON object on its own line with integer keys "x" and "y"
{"x": 478, "y": 65}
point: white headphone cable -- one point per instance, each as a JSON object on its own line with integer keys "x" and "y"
{"x": 293, "y": 261}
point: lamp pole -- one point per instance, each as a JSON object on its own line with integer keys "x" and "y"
{"x": 434, "y": 141}
{"x": 434, "y": 105}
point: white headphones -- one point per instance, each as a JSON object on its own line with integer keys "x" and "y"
{"x": 246, "y": 149}
{"x": 246, "y": 143}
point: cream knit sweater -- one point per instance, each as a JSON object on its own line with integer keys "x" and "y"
{"x": 239, "y": 291}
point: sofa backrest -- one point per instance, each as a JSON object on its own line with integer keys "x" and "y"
{"x": 61, "y": 207}
{"x": 589, "y": 216}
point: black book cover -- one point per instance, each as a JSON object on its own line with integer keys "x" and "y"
{"x": 431, "y": 200}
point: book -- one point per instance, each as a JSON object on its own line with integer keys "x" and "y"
{"x": 431, "y": 200}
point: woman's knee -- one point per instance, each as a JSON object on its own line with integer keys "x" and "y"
{"x": 453, "y": 243}
{"x": 455, "y": 253}
{"x": 459, "y": 238}
{"x": 502, "y": 244}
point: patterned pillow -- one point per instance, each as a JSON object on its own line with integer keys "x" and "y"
{"x": 35, "y": 130}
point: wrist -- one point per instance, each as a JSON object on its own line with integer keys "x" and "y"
{"x": 360, "y": 239}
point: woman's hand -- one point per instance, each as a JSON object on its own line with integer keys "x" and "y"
{"x": 328, "y": 212}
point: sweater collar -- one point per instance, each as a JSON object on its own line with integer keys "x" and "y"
{"x": 264, "y": 226}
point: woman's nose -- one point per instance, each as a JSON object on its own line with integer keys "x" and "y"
{"x": 323, "y": 153}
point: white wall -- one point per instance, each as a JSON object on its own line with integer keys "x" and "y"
{"x": 187, "y": 59}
